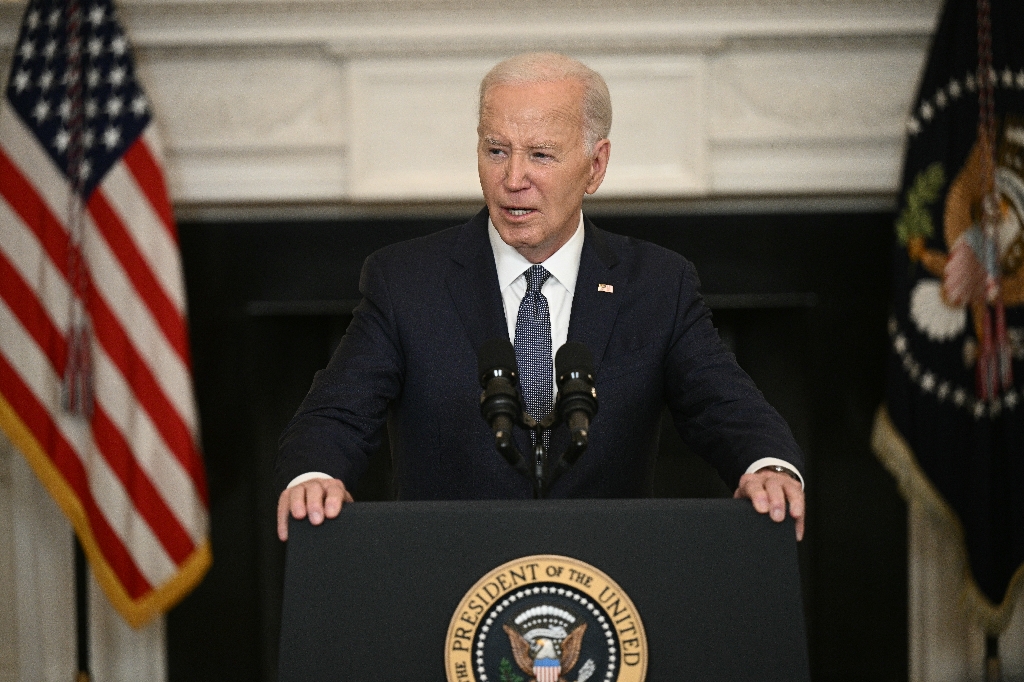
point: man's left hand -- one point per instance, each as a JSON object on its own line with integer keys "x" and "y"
{"x": 771, "y": 492}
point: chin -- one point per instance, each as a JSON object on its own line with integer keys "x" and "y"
{"x": 515, "y": 235}
{"x": 519, "y": 244}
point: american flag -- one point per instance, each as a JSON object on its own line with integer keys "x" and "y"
{"x": 95, "y": 380}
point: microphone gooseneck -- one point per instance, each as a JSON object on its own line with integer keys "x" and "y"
{"x": 502, "y": 408}
{"x": 499, "y": 402}
{"x": 577, "y": 396}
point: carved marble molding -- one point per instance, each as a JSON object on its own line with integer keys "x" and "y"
{"x": 334, "y": 102}
{"x": 446, "y": 27}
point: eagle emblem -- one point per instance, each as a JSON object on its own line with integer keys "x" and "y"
{"x": 527, "y": 629}
{"x": 544, "y": 652}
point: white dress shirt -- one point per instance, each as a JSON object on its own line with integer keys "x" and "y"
{"x": 558, "y": 289}
{"x": 564, "y": 266}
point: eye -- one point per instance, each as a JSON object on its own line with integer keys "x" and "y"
{"x": 495, "y": 151}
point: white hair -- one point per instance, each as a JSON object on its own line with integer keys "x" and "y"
{"x": 546, "y": 67}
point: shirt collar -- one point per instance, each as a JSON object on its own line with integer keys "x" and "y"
{"x": 564, "y": 264}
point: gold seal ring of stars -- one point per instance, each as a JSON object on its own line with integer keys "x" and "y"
{"x": 546, "y": 617}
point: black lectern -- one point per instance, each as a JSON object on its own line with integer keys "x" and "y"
{"x": 370, "y": 595}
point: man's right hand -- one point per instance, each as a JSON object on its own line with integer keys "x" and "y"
{"x": 318, "y": 499}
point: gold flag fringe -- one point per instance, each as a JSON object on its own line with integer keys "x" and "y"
{"x": 895, "y": 454}
{"x": 137, "y": 612}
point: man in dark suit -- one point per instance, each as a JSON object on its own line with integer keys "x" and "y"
{"x": 529, "y": 267}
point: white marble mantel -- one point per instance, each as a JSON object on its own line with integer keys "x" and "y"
{"x": 325, "y": 102}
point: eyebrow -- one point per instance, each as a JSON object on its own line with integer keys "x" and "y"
{"x": 499, "y": 143}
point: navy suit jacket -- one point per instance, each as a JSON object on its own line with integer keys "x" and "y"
{"x": 410, "y": 357}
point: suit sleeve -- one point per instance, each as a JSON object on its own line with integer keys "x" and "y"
{"x": 717, "y": 409}
{"x": 340, "y": 422}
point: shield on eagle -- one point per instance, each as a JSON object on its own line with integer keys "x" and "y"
{"x": 543, "y": 653}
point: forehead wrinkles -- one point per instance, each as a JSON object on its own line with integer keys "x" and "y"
{"x": 540, "y": 117}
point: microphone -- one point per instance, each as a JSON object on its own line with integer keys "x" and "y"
{"x": 499, "y": 402}
{"x": 577, "y": 397}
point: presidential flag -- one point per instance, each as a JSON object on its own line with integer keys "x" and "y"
{"x": 95, "y": 381}
{"x": 953, "y": 430}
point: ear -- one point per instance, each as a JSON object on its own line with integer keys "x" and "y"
{"x": 599, "y": 164}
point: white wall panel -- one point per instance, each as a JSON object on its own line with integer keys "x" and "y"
{"x": 807, "y": 166}
{"x": 255, "y": 176}
{"x": 241, "y": 126}
{"x": 809, "y": 119}
{"x": 816, "y": 89}
{"x": 659, "y": 139}
{"x": 414, "y": 128}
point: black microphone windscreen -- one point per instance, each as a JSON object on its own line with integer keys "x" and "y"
{"x": 573, "y": 357}
{"x": 496, "y": 354}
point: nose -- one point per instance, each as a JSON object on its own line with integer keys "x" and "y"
{"x": 516, "y": 176}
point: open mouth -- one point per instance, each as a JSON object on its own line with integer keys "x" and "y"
{"x": 519, "y": 211}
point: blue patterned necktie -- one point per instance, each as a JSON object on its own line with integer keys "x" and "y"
{"x": 533, "y": 347}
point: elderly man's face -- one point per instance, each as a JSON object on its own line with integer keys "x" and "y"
{"x": 534, "y": 169}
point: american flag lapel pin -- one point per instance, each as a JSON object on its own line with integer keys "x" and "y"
{"x": 606, "y": 288}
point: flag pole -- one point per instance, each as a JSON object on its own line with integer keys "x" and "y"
{"x": 82, "y": 611}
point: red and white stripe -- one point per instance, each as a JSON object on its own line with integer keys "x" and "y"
{"x": 135, "y": 467}
{"x": 548, "y": 673}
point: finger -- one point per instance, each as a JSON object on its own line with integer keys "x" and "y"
{"x": 795, "y": 496}
{"x": 752, "y": 487}
{"x": 758, "y": 495}
{"x": 315, "y": 494}
{"x": 797, "y": 508}
{"x": 336, "y": 495}
{"x": 776, "y": 498}
{"x": 282, "y": 516}
{"x": 297, "y": 501}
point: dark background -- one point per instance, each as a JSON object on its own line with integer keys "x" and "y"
{"x": 802, "y": 299}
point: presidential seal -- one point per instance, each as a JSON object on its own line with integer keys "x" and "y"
{"x": 546, "y": 618}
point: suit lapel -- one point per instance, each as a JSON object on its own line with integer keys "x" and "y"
{"x": 472, "y": 282}
{"x": 593, "y": 311}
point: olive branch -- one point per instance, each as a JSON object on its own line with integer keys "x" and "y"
{"x": 508, "y": 673}
{"x": 915, "y": 220}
